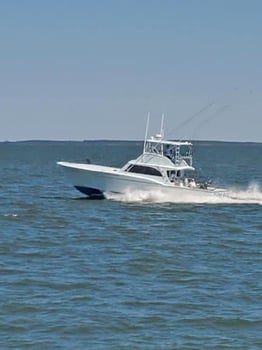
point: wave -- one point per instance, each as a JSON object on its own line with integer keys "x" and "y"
{"x": 250, "y": 195}
{"x": 10, "y": 215}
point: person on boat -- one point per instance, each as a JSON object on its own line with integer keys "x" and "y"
{"x": 168, "y": 152}
{"x": 177, "y": 182}
{"x": 203, "y": 186}
{"x": 191, "y": 183}
{"x": 172, "y": 176}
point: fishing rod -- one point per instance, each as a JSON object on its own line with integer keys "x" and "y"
{"x": 211, "y": 117}
{"x": 192, "y": 117}
{"x": 202, "y": 110}
{"x": 214, "y": 115}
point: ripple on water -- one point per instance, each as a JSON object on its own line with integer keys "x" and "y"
{"x": 116, "y": 274}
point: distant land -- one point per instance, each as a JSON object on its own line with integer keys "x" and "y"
{"x": 120, "y": 141}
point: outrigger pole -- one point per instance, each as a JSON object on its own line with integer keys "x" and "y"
{"x": 147, "y": 125}
{"x": 162, "y": 126}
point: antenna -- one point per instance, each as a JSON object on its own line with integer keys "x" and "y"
{"x": 147, "y": 125}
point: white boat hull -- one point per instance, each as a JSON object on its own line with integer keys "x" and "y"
{"x": 97, "y": 181}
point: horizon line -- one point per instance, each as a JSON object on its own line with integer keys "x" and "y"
{"x": 120, "y": 140}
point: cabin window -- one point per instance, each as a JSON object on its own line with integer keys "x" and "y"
{"x": 139, "y": 169}
{"x": 174, "y": 173}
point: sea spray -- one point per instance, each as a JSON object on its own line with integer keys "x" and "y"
{"x": 250, "y": 195}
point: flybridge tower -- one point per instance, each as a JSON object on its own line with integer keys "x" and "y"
{"x": 179, "y": 152}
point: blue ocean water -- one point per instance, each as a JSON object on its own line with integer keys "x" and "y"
{"x": 133, "y": 272}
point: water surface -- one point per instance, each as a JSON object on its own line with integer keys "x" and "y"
{"x": 135, "y": 272}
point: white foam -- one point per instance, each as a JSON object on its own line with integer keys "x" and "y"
{"x": 251, "y": 195}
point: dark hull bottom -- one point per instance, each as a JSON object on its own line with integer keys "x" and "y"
{"x": 93, "y": 193}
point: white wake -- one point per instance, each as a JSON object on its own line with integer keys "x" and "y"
{"x": 250, "y": 195}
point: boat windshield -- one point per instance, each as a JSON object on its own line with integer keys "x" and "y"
{"x": 141, "y": 169}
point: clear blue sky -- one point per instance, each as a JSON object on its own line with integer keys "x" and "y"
{"x": 88, "y": 69}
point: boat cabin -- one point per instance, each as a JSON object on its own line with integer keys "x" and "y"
{"x": 167, "y": 159}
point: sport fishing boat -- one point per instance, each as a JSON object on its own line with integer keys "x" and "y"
{"x": 163, "y": 166}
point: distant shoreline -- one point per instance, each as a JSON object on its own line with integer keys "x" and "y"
{"x": 119, "y": 141}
